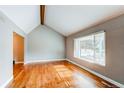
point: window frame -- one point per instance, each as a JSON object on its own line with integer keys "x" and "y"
{"x": 91, "y": 61}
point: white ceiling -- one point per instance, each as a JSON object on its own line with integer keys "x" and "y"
{"x": 27, "y": 17}
{"x": 70, "y": 19}
{"x": 64, "y": 19}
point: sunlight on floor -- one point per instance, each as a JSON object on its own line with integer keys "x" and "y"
{"x": 63, "y": 71}
{"x": 77, "y": 79}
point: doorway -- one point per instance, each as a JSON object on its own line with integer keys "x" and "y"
{"x": 18, "y": 48}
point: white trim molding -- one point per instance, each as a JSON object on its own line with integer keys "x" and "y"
{"x": 97, "y": 74}
{"x": 18, "y": 62}
{"x": 43, "y": 61}
{"x": 7, "y": 82}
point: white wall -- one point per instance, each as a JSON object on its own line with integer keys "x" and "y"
{"x": 6, "y": 47}
{"x": 44, "y": 44}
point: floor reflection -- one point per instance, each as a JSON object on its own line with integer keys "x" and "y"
{"x": 74, "y": 79}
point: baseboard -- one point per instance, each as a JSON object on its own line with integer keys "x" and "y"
{"x": 99, "y": 75}
{"x": 43, "y": 61}
{"x": 7, "y": 82}
{"x": 18, "y": 62}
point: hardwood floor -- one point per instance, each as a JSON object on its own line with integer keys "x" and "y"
{"x": 60, "y": 74}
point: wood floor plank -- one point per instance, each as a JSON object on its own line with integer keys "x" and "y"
{"x": 60, "y": 74}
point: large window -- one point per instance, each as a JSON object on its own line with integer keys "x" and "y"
{"x": 91, "y": 48}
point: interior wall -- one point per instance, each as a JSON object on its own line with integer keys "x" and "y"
{"x": 18, "y": 48}
{"x": 114, "y": 49}
{"x": 6, "y": 48}
{"x": 44, "y": 44}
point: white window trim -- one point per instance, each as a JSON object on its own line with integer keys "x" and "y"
{"x": 90, "y": 61}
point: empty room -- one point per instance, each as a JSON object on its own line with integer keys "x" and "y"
{"x": 61, "y": 46}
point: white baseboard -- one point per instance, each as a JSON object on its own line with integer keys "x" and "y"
{"x": 99, "y": 75}
{"x": 7, "y": 82}
{"x": 43, "y": 61}
{"x": 18, "y": 62}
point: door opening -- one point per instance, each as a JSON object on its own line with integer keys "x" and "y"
{"x": 18, "y": 48}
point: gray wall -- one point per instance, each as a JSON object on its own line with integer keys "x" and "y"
{"x": 44, "y": 44}
{"x": 114, "y": 68}
{"x": 6, "y": 47}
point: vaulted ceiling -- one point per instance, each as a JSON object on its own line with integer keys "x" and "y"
{"x": 64, "y": 19}
{"x": 27, "y": 17}
{"x": 70, "y": 19}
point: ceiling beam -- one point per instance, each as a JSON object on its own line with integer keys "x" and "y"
{"x": 42, "y": 14}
